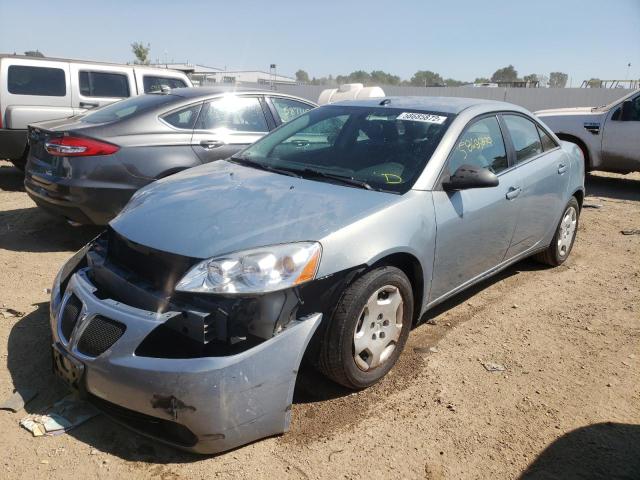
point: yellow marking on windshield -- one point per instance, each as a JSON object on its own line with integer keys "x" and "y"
{"x": 392, "y": 178}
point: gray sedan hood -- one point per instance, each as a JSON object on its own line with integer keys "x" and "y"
{"x": 224, "y": 207}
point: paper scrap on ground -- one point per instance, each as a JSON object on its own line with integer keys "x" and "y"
{"x": 61, "y": 417}
{"x": 19, "y": 399}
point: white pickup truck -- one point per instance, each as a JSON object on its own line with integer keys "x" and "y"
{"x": 34, "y": 89}
{"x": 609, "y": 136}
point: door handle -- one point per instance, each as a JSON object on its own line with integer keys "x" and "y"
{"x": 513, "y": 192}
{"x": 211, "y": 144}
{"x": 562, "y": 168}
{"x": 88, "y": 105}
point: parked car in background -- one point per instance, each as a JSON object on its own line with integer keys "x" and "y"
{"x": 86, "y": 168}
{"x": 608, "y": 135}
{"x": 34, "y": 89}
{"x": 328, "y": 238}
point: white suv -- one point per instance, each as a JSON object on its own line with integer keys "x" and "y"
{"x": 34, "y": 89}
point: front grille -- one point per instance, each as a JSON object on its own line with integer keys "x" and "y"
{"x": 162, "y": 429}
{"x": 69, "y": 316}
{"x": 99, "y": 335}
{"x": 162, "y": 270}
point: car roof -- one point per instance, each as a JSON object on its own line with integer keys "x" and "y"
{"x": 452, "y": 105}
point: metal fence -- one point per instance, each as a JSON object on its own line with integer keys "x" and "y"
{"x": 530, "y": 98}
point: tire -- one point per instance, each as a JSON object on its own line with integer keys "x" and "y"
{"x": 364, "y": 317}
{"x": 21, "y": 163}
{"x": 560, "y": 248}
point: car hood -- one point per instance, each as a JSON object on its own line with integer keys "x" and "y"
{"x": 567, "y": 111}
{"x": 224, "y": 207}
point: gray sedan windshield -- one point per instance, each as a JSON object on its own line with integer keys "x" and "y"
{"x": 378, "y": 148}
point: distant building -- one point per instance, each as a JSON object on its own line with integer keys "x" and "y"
{"x": 202, "y": 75}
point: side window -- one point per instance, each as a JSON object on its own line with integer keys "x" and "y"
{"x": 104, "y": 84}
{"x": 289, "y": 109}
{"x": 184, "y": 118}
{"x": 44, "y": 81}
{"x": 154, "y": 84}
{"x": 481, "y": 145}
{"x": 524, "y": 134}
{"x": 240, "y": 114}
{"x": 547, "y": 142}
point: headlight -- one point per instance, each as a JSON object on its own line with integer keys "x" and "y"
{"x": 260, "y": 270}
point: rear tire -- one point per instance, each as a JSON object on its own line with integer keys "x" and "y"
{"x": 369, "y": 328}
{"x": 562, "y": 243}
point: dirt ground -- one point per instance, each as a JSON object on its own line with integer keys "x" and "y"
{"x": 567, "y": 405}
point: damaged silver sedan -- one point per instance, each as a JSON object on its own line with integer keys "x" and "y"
{"x": 323, "y": 243}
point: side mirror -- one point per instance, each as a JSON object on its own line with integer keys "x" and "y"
{"x": 627, "y": 111}
{"x": 468, "y": 176}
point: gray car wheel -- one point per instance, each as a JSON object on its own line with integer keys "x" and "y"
{"x": 562, "y": 243}
{"x": 369, "y": 328}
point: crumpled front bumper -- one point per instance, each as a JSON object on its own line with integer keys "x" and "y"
{"x": 224, "y": 402}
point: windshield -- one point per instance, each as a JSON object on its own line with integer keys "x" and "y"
{"x": 377, "y": 148}
{"x": 125, "y": 108}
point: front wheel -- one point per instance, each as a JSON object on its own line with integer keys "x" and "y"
{"x": 562, "y": 243}
{"x": 369, "y": 328}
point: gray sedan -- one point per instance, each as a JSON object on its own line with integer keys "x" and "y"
{"x": 87, "y": 167}
{"x": 326, "y": 240}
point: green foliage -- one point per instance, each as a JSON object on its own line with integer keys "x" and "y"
{"x": 482, "y": 80}
{"x": 595, "y": 83}
{"x": 302, "y": 76}
{"x": 531, "y": 78}
{"x": 558, "y": 79}
{"x": 426, "y": 78}
{"x": 505, "y": 74}
{"x": 141, "y": 53}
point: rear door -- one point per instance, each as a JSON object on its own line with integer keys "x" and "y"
{"x": 228, "y": 124}
{"x": 34, "y": 91}
{"x": 98, "y": 85}
{"x": 475, "y": 226}
{"x": 620, "y": 150}
{"x": 543, "y": 168}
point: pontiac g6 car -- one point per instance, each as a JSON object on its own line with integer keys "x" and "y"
{"x": 327, "y": 239}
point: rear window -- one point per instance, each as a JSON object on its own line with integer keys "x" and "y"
{"x": 42, "y": 81}
{"x": 126, "y": 108}
{"x": 155, "y": 84}
{"x": 104, "y": 84}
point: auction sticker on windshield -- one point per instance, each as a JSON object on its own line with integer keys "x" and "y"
{"x": 421, "y": 117}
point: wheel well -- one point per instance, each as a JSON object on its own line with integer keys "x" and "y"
{"x": 579, "y": 194}
{"x": 411, "y": 267}
{"x": 581, "y": 144}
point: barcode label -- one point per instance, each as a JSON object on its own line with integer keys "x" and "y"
{"x": 422, "y": 117}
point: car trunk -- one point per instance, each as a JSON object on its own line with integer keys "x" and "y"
{"x": 45, "y": 162}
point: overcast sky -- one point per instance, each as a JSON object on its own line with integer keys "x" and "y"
{"x": 461, "y": 39}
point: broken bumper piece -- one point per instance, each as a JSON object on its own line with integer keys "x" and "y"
{"x": 205, "y": 405}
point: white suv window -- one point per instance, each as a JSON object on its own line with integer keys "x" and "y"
{"x": 42, "y": 81}
{"x": 103, "y": 84}
{"x": 154, "y": 84}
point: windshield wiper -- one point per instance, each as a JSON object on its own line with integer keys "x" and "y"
{"x": 263, "y": 166}
{"x": 307, "y": 172}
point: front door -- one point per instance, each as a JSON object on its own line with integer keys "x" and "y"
{"x": 475, "y": 226}
{"x": 226, "y": 125}
{"x": 620, "y": 150}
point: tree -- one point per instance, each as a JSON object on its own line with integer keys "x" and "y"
{"x": 452, "y": 82}
{"x": 505, "y": 74}
{"x": 558, "y": 79}
{"x": 426, "y": 78}
{"x": 34, "y": 53}
{"x": 141, "y": 52}
{"x": 384, "y": 78}
{"x": 302, "y": 76}
{"x": 530, "y": 78}
{"x": 482, "y": 80}
{"x": 595, "y": 83}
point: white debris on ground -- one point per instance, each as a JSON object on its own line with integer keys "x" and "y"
{"x": 67, "y": 413}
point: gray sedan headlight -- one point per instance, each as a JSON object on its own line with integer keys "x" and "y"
{"x": 259, "y": 270}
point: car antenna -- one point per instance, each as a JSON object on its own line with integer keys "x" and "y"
{"x": 384, "y": 102}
